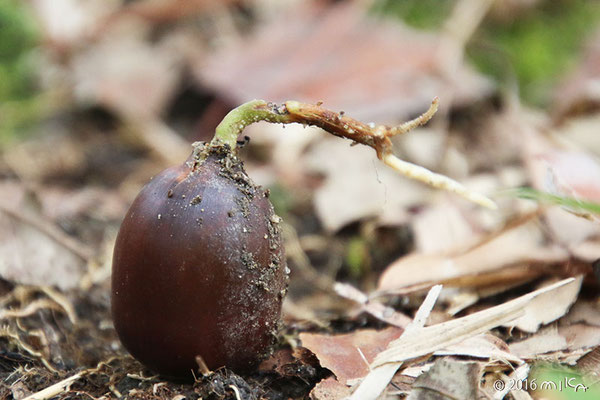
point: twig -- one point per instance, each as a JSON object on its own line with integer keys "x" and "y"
{"x": 57, "y": 388}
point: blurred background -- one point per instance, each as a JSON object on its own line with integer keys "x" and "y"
{"x": 97, "y": 96}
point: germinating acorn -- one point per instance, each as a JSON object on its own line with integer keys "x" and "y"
{"x": 198, "y": 268}
{"x": 199, "y": 271}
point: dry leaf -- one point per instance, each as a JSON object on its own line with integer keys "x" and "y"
{"x": 487, "y": 285}
{"x": 373, "y": 69}
{"x": 330, "y": 389}
{"x": 573, "y": 173}
{"x": 482, "y": 346}
{"x": 442, "y": 228}
{"x": 556, "y": 343}
{"x": 127, "y": 75}
{"x": 545, "y": 341}
{"x": 590, "y": 363}
{"x": 580, "y": 336}
{"x": 447, "y": 379}
{"x": 33, "y": 250}
{"x": 373, "y": 307}
{"x": 524, "y": 243}
{"x": 277, "y": 362}
{"x": 348, "y": 356}
{"x": 358, "y": 186}
{"x": 420, "y": 342}
{"x": 588, "y": 251}
{"x": 586, "y": 312}
{"x": 91, "y": 202}
{"x": 548, "y": 307}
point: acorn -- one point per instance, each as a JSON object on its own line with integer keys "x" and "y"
{"x": 199, "y": 272}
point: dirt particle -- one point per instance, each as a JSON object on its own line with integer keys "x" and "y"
{"x": 248, "y": 260}
{"x": 243, "y": 202}
{"x": 274, "y": 231}
{"x": 170, "y": 193}
{"x": 196, "y": 200}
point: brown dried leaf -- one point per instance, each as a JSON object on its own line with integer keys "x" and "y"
{"x": 372, "y": 69}
{"x": 330, "y": 389}
{"x": 343, "y": 354}
{"x": 277, "y": 362}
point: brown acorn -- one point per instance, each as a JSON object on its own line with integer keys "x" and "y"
{"x": 199, "y": 268}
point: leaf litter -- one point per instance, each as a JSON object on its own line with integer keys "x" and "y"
{"x": 518, "y": 285}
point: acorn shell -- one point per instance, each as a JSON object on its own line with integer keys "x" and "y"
{"x": 199, "y": 268}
